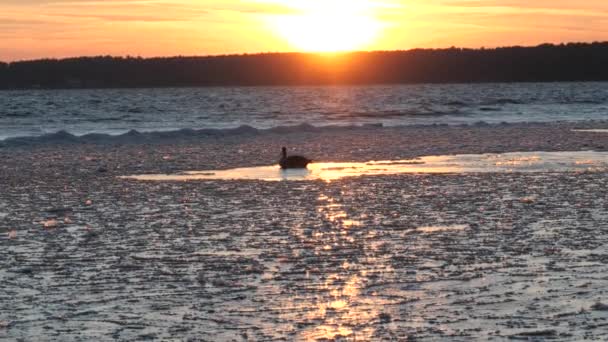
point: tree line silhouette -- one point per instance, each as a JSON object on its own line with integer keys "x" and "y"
{"x": 543, "y": 63}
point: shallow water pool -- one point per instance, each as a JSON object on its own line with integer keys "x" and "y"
{"x": 580, "y": 161}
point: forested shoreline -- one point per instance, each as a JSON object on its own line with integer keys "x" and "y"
{"x": 543, "y": 63}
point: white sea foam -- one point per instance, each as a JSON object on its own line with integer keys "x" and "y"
{"x": 591, "y": 130}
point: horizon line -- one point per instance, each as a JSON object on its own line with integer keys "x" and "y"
{"x": 261, "y": 53}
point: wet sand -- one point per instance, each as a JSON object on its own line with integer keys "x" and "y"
{"x": 453, "y": 257}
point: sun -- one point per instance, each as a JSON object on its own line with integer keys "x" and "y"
{"x": 329, "y": 26}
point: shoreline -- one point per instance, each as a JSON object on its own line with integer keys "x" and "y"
{"x": 182, "y": 135}
{"x": 137, "y": 153}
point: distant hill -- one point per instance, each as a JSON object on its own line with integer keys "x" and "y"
{"x": 543, "y": 63}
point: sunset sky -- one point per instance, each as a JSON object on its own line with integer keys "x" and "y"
{"x": 59, "y": 28}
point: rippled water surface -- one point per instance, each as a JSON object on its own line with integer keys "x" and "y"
{"x": 31, "y": 113}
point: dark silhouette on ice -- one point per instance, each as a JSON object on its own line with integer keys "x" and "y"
{"x": 293, "y": 162}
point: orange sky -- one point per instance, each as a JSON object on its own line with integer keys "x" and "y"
{"x": 59, "y": 28}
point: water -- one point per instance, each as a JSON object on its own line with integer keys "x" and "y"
{"x": 591, "y": 130}
{"x": 471, "y": 257}
{"x": 519, "y": 253}
{"x": 465, "y": 163}
{"x": 116, "y": 111}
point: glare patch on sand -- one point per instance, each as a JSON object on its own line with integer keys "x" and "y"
{"x": 436, "y": 229}
{"x": 591, "y": 130}
{"x": 466, "y": 163}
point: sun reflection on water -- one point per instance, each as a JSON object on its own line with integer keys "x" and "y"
{"x": 471, "y": 163}
{"x": 340, "y": 309}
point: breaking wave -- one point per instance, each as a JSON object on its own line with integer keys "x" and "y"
{"x": 134, "y": 136}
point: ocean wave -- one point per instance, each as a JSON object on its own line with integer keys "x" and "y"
{"x": 456, "y": 103}
{"x": 402, "y": 114}
{"x": 598, "y": 101}
{"x": 134, "y": 136}
{"x": 188, "y": 134}
{"x": 97, "y": 120}
{"x": 16, "y": 114}
{"x": 504, "y": 101}
{"x": 490, "y": 109}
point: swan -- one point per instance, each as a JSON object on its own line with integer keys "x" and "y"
{"x": 293, "y": 162}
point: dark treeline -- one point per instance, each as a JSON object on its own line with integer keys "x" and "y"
{"x": 544, "y": 63}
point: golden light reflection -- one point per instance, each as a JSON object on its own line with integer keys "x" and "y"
{"x": 465, "y": 163}
{"x": 435, "y": 229}
{"x": 519, "y": 161}
{"x": 343, "y": 306}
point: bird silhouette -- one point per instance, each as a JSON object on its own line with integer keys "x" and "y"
{"x": 293, "y": 162}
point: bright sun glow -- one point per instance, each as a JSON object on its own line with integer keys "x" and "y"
{"x": 328, "y": 26}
